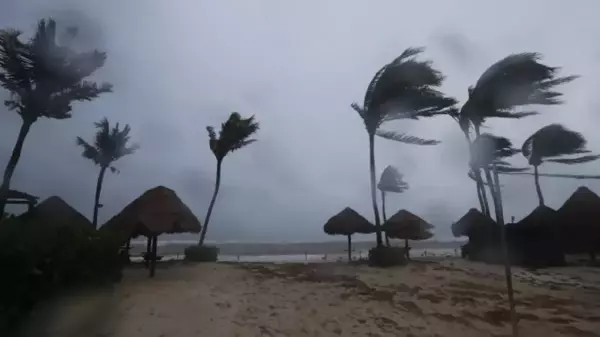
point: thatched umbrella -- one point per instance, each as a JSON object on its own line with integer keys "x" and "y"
{"x": 55, "y": 212}
{"x": 535, "y": 239}
{"x": 17, "y": 197}
{"x": 482, "y": 231}
{"x": 348, "y": 222}
{"x": 578, "y": 222}
{"x": 407, "y": 226}
{"x": 157, "y": 211}
{"x": 465, "y": 225}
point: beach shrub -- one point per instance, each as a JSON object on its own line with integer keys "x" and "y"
{"x": 38, "y": 261}
{"x": 202, "y": 253}
{"x": 386, "y": 256}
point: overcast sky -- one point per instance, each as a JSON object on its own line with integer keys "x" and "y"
{"x": 178, "y": 66}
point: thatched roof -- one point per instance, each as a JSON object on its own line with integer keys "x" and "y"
{"x": 55, "y": 212}
{"x": 406, "y": 225}
{"x": 582, "y": 205}
{"x": 348, "y": 222}
{"x": 472, "y": 218}
{"x": 14, "y": 194}
{"x": 540, "y": 216}
{"x": 157, "y": 211}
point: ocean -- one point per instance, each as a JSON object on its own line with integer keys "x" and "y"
{"x": 332, "y": 251}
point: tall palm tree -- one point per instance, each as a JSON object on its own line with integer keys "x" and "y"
{"x": 405, "y": 88}
{"x": 109, "y": 146}
{"x": 554, "y": 143}
{"x": 44, "y": 79}
{"x": 391, "y": 180}
{"x": 235, "y": 134}
{"x": 488, "y": 151}
{"x": 514, "y": 82}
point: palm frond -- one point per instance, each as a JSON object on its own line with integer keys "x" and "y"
{"x": 392, "y": 180}
{"x": 89, "y": 151}
{"x": 404, "y": 88}
{"x": 43, "y": 77}
{"x": 517, "y": 80}
{"x": 487, "y": 149}
{"x": 235, "y": 134}
{"x": 404, "y": 138}
{"x": 551, "y": 141}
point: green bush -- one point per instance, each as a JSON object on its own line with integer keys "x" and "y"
{"x": 203, "y": 253}
{"x": 38, "y": 261}
{"x": 387, "y": 256}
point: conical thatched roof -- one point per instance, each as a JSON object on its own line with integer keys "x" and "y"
{"x": 348, "y": 222}
{"x": 55, "y": 212}
{"x": 581, "y": 204}
{"x": 406, "y": 225}
{"x": 540, "y": 216}
{"x": 472, "y": 218}
{"x": 157, "y": 211}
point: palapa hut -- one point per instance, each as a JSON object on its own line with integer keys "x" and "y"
{"x": 534, "y": 241}
{"x": 579, "y": 223}
{"x": 55, "y": 212}
{"x": 348, "y": 222}
{"x": 407, "y": 226}
{"x": 157, "y": 211}
{"x": 15, "y": 197}
{"x": 483, "y": 234}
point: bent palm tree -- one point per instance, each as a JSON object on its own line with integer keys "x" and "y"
{"x": 488, "y": 151}
{"x": 43, "y": 79}
{"x": 391, "y": 180}
{"x": 235, "y": 134}
{"x": 554, "y": 143}
{"x": 406, "y": 88}
{"x": 109, "y": 146}
{"x": 515, "y": 81}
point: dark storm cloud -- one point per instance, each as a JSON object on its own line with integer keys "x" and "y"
{"x": 180, "y": 66}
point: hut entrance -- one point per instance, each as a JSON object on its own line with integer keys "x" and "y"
{"x": 15, "y": 197}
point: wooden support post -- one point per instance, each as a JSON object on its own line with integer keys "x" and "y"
{"x": 153, "y": 256}
{"x": 148, "y": 252}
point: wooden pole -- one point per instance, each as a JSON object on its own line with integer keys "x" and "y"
{"x": 153, "y": 255}
{"x": 148, "y": 251}
{"x": 349, "y": 248}
{"x": 507, "y": 268}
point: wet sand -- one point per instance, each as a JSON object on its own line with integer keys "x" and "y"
{"x": 451, "y": 298}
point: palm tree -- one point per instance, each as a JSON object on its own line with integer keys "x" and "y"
{"x": 405, "y": 88}
{"x": 109, "y": 146}
{"x": 44, "y": 79}
{"x": 553, "y": 143}
{"x": 489, "y": 151}
{"x": 391, "y": 180}
{"x": 516, "y": 81}
{"x": 235, "y": 134}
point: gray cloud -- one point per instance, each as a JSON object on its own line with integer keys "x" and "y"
{"x": 178, "y": 67}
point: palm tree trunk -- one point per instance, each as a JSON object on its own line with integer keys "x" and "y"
{"x": 538, "y": 188}
{"x": 507, "y": 267}
{"x": 212, "y": 203}
{"x": 387, "y": 238}
{"x": 349, "y": 248}
{"x": 482, "y": 192}
{"x": 97, "y": 196}
{"x": 12, "y": 164}
{"x": 480, "y": 197}
{"x": 373, "y": 189}
{"x": 492, "y": 188}
{"x": 483, "y": 200}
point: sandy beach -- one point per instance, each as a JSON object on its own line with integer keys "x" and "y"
{"x": 451, "y": 298}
